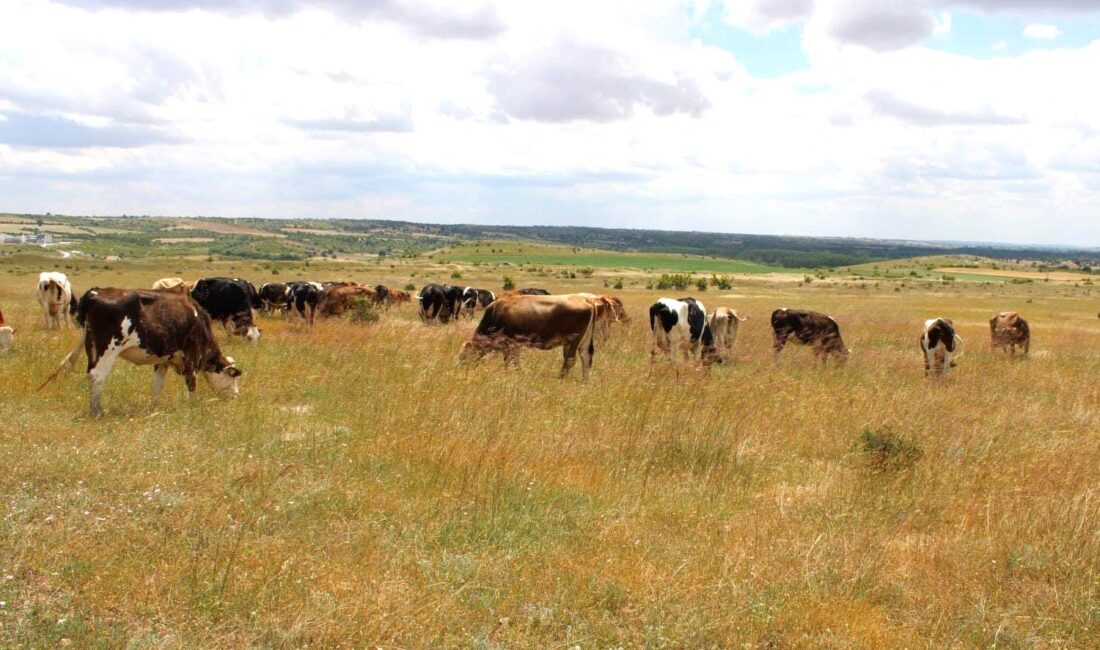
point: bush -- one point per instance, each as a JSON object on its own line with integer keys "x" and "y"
{"x": 586, "y": 271}
{"x": 678, "y": 281}
{"x": 885, "y": 450}
{"x": 618, "y": 283}
{"x": 410, "y": 287}
{"x": 701, "y": 284}
{"x": 363, "y": 312}
{"x": 723, "y": 282}
{"x": 456, "y": 275}
{"x": 509, "y": 283}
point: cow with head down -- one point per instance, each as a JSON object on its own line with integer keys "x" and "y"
{"x": 1007, "y": 330}
{"x": 230, "y": 301}
{"x": 724, "y": 322}
{"x": 941, "y": 346}
{"x": 811, "y": 328}
{"x": 157, "y": 328}
{"x": 680, "y": 326}
{"x": 55, "y": 296}
{"x": 541, "y": 322}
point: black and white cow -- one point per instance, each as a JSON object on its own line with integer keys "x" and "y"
{"x": 442, "y": 302}
{"x": 158, "y": 328}
{"x": 272, "y": 297}
{"x": 681, "y": 325}
{"x": 472, "y": 298}
{"x": 940, "y": 345}
{"x": 230, "y": 301}
{"x": 302, "y": 298}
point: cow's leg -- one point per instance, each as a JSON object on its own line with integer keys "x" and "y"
{"x": 946, "y": 362}
{"x": 1027, "y": 346}
{"x": 779, "y": 344}
{"x": 97, "y": 378}
{"x": 929, "y": 359}
{"x": 569, "y": 351}
{"x": 189, "y": 379}
{"x": 159, "y": 372}
{"x": 587, "y": 352}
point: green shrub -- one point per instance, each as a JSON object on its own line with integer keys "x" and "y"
{"x": 701, "y": 284}
{"x": 456, "y": 275}
{"x": 678, "y": 281}
{"x": 509, "y": 283}
{"x": 586, "y": 271}
{"x": 618, "y": 283}
{"x": 363, "y": 312}
{"x": 723, "y": 282}
{"x": 410, "y": 287}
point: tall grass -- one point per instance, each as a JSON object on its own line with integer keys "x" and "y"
{"x": 368, "y": 489}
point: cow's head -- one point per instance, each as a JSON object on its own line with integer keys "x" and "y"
{"x": 222, "y": 377}
{"x": 244, "y": 326}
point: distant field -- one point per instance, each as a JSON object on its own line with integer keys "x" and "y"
{"x": 1054, "y": 276}
{"x": 527, "y": 253}
{"x": 368, "y": 490}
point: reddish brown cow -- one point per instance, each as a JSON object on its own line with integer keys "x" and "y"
{"x": 337, "y": 300}
{"x": 1007, "y": 330}
{"x": 542, "y": 322}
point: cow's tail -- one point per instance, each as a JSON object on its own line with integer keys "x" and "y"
{"x": 958, "y": 346}
{"x": 66, "y": 363}
{"x": 73, "y": 306}
{"x": 590, "y": 331}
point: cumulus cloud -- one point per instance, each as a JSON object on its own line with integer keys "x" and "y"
{"x": 429, "y": 19}
{"x": 879, "y": 25}
{"x": 1041, "y": 31}
{"x": 760, "y": 16}
{"x": 57, "y": 132}
{"x": 572, "y": 81}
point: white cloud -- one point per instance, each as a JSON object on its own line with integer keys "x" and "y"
{"x": 566, "y": 112}
{"x": 1041, "y": 31}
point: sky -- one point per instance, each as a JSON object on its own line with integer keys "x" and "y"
{"x": 964, "y": 120}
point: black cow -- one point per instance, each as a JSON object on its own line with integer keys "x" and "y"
{"x": 158, "y": 328}
{"x": 273, "y": 296}
{"x": 431, "y": 303}
{"x": 302, "y": 298}
{"x": 230, "y": 301}
{"x": 381, "y": 296}
{"x": 808, "y": 328}
{"x": 533, "y": 292}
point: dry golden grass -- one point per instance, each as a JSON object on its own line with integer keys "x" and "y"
{"x": 368, "y": 490}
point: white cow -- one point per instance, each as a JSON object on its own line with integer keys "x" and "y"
{"x": 723, "y": 323}
{"x": 55, "y": 295}
{"x": 940, "y": 345}
{"x": 681, "y": 325}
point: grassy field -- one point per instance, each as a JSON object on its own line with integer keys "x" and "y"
{"x": 496, "y": 252}
{"x": 368, "y": 490}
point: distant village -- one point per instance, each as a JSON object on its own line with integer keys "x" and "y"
{"x": 37, "y": 237}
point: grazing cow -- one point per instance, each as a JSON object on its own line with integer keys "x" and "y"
{"x": 472, "y": 298}
{"x": 381, "y": 296}
{"x": 533, "y": 292}
{"x": 229, "y": 301}
{"x": 272, "y": 297}
{"x": 302, "y": 298}
{"x": 175, "y": 285}
{"x": 609, "y": 309}
{"x": 55, "y": 295}
{"x": 541, "y": 322}
{"x": 399, "y": 297}
{"x": 338, "y": 300}
{"x": 1007, "y": 330}
{"x": 7, "y": 335}
{"x": 680, "y": 325}
{"x": 809, "y": 328}
{"x": 440, "y": 301}
{"x": 723, "y": 322}
{"x": 940, "y": 345}
{"x": 158, "y": 328}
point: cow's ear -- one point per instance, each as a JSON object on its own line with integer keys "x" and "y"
{"x": 233, "y": 371}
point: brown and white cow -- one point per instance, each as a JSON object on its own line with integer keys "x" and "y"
{"x": 158, "y": 328}
{"x": 175, "y": 285}
{"x": 55, "y": 296}
{"x": 337, "y": 300}
{"x": 809, "y": 328}
{"x": 1007, "y": 330}
{"x": 723, "y": 322}
{"x": 7, "y": 335}
{"x": 541, "y": 322}
{"x": 940, "y": 345}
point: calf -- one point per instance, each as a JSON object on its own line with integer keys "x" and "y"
{"x": 55, "y": 296}
{"x": 940, "y": 345}
{"x": 158, "y": 328}
{"x": 399, "y": 297}
{"x": 723, "y": 322}
{"x": 542, "y": 322}
{"x": 1007, "y": 330}
{"x": 809, "y": 328}
{"x": 229, "y": 301}
{"x": 273, "y": 296}
{"x": 680, "y": 325}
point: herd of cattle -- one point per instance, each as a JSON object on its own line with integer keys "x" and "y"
{"x": 170, "y": 325}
